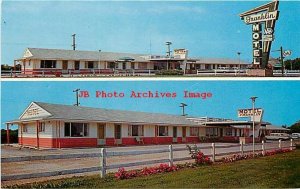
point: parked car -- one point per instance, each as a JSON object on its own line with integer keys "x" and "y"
{"x": 295, "y": 135}
{"x": 278, "y": 136}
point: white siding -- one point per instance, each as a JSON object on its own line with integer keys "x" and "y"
{"x": 124, "y": 130}
{"x": 109, "y": 130}
{"x": 31, "y": 130}
{"x": 59, "y": 64}
{"x": 202, "y": 131}
{"x": 188, "y": 131}
{"x": 179, "y": 131}
{"x": 150, "y": 65}
{"x": 82, "y": 65}
{"x": 149, "y": 130}
{"x": 170, "y": 131}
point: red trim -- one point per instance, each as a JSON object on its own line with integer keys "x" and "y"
{"x": 110, "y": 141}
{"x": 63, "y": 142}
{"x": 37, "y": 134}
{"x": 192, "y": 139}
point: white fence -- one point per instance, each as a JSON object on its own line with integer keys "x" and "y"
{"x": 78, "y": 73}
{"x": 170, "y": 159}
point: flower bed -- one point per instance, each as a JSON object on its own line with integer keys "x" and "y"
{"x": 200, "y": 159}
{"x": 162, "y": 168}
{"x": 237, "y": 157}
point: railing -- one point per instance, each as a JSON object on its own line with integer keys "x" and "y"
{"x": 78, "y": 73}
{"x": 104, "y": 155}
{"x": 215, "y": 72}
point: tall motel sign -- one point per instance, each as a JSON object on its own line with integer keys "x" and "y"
{"x": 265, "y": 15}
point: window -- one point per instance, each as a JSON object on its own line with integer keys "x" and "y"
{"x": 117, "y": 131}
{"x": 163, "y": 131}
{"x": 89, "y": 64}
{"x": 132, "y": 65}
{"x": 48, "y": 63}
{"x": 111, "y": 65}
{"x": 211, "y": 131}
{"x": 194, "y": 131}
{"x": 197, "y": 66}
{"x": 25, "y": 129}
{"x": 142, "y": 65}
{"x": 228, "y": 132}
{"x": 136, "y": 130}
{"x": 41, "y": 127}
{"x": 76, "y": 129}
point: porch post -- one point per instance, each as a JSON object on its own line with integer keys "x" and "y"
{"x": 21, "y": 129}
{"x": 37, "y": 135}
{"x": 59, "y": 134}
{"x": 7, "y": 133}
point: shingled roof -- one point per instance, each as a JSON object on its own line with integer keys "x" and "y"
{"x": 61, "y": 54}
{"x": 80, "y": 113}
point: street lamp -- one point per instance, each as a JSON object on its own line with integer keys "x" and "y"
{"x": 99, "y": 61}
{"x": 239, "y": 54}
{"x": 182, "y": 106}
{"x": 168, "y": 43}
{"x": 253, "y": 98}
{"x": 77, "y": 96}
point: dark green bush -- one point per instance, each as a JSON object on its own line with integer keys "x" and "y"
{"x": 170, "y": 72}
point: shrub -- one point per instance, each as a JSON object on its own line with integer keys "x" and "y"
{"x": 170, "y": 72}
{"x": 162, "y": 168}
{"x": 201, "y": 159}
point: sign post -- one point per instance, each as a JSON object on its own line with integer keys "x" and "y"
{"x": 263, "y": 15}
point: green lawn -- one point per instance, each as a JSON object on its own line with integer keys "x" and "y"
{"x": 278, "y": 171}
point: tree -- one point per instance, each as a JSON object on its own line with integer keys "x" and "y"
{"x": 13, "y": 136}
{"x": 295, "y": 128}
{"x": 295, "y": 64}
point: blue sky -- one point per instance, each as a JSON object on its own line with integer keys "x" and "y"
{"x": 207, "y": 29}
{"x": 279, "y": 99}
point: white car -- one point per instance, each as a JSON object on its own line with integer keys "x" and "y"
{"x": 278, "y": 136}
{"x": 295, "y": 135}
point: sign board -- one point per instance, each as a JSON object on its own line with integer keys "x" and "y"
{"x": 268, "y": 37}
{"x": 34, "y": 111}
{"x": 287, "y": 53}
{"x": 181, "y": 53}
{"x": 262, "y": 17}
{"x": 258, "y": 113}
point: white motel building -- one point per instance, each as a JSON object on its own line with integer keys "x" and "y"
{"x": 60, "y": 61}
{"x": 65, "y": 126}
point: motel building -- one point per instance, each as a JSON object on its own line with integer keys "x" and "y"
{"x": 59, "y": 61}
{"x": 65, "y": 126}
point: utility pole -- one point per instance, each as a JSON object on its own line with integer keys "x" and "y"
{"x": 74, "y": 44}
{"x": 281, "y": 59}
{"x": 99, "y": 61}
{"x": 168, "y": 43}
{"x": 239, "y": 54}
{"x": 77, "y": 97}
{"x": 182, "y": 106}
{"x": 253, "y": 98}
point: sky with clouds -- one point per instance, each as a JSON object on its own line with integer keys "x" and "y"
{"x": 207, "y": 29}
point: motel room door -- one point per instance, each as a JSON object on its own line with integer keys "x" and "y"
{"x": 77, "y": 65}
{"x": 118, "y": 134}
{"x": 175, "y": 134}
{"x": 183, "y": 134}
{"x": 65, "y": 65}
{"x": 101, "y": 134}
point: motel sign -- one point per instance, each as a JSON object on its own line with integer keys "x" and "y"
{"x": 257, "y": 114}
{"x": 265, "y": 15}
